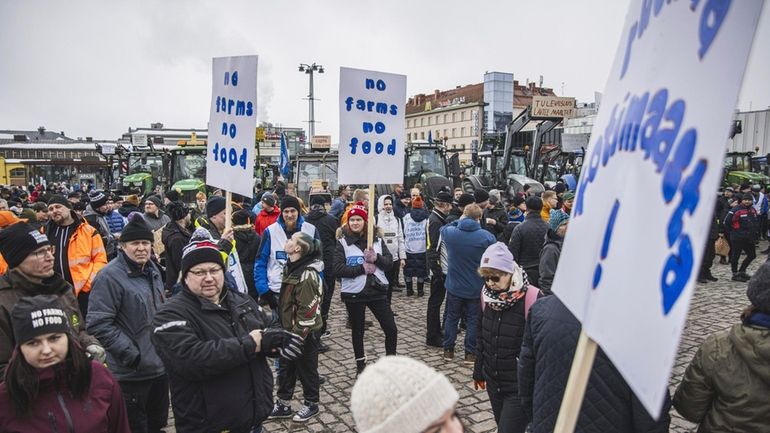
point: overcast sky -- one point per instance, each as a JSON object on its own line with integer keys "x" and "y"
{"x": 94, "y": 68}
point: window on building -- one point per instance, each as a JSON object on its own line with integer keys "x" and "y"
{"x": 422, "y": 135}
{"x": 462, "y": 116}
{"x": 445, "y": 118}
{"x": 453, "y": 117}
{"x": 428, "y": 121}
{"x": 462, "y": 132}
{"x": 445, "y": 133}
{"x": 408, "y": 136}
{"x": 408, "y": 123}
{"x": 453, "y": 132}
{"x": 422, "y": 122}
{"x": 18, "y": 172}
{"x": 436, "y": 120}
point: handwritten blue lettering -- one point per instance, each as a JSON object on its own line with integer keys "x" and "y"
{"x": 711, "y": 19}
{"x": 655, "y": 123}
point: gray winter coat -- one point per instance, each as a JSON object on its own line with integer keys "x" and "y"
{"x": 124, "y": 300}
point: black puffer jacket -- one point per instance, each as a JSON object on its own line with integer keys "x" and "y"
{"x": 498, "y": 214}
{"x": 497, "y": 347}
{"x": 327, "y": 229}
{"x": 218, "y": 382}
{"x": 549, "y": 260}
{"x": 247, "y": 244}
{"x": 174, "y": 238}
{"x": 527, "y": 241}
{"x": 550, "y": 339}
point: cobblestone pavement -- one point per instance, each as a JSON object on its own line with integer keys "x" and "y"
{"x": 715, "y": 307}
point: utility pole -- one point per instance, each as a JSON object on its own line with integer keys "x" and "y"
{"x": 309, "y": 70}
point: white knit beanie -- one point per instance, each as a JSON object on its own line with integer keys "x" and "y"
{"x": 400, "y": 394}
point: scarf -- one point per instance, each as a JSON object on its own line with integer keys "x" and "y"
{"x": 500, "y": 301}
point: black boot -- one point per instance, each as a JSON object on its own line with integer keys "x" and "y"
{"x": 409, "y": 288}
{"x": 420, "y": 289}
{"x": 360, "y": 366}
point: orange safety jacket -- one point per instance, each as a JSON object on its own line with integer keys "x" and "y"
{"x": 3, "y": 266}
{"x": 85, "y": 256}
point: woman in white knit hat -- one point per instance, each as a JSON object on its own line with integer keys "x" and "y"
{"x": 401, "y": 394}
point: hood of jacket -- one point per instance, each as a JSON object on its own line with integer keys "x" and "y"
{"x": 419, "y": 214}
{"x": 315, "y": 214}
{"x": 552, "y": 238}
{"x": 293, "y": 271}
{"x": 126, "y": 209}
{"x": 172, "y": 229}
{"x": 90, "y": 211}
{"x": 468, "y": 225}
{"x": 753, "y": 345}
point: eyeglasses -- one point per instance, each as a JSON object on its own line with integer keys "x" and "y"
{"x": 492, "y": 278}
{"x": 203, "y": 272}
{"x": 43, "y": 252}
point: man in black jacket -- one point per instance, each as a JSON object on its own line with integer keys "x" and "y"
{"x": 437, "y": 219}
{"x": 326, "y": 225}
{"x": 175, "y": 235}
{"x": 528, "y": 238}
{"x": 609, "y": 405}
{"x": 212, "y": 340}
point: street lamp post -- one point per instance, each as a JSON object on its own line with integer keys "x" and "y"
{"x": 309, "y": 70}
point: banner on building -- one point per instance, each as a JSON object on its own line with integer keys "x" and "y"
{"x": 647, "y": 190}
{"x": 372, "y": 127}
{"x": 232, "y": 121}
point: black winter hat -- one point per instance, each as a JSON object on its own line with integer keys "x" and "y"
{"x": 201, "y": 249}
{"x": 317, "y": 200}
{"x": 172, "y": 195}
{"x": 33, "y": 316}
{"x": 534, "y": 204}
{"x": 242, "y": 217}
{"x": 443, "y": 197}
{"x": 517, "y": 201}
{"x": 176, "y": 210}
{"x": 465, "y": 199}
{"x": 560, "y": 188}
{"x": 136, "y": 230}
{"x": 18, "y": 241}
{"x": 481, "y": 195}
{"x": 60, "y": 199}
{"x": 97, "y": 199}
{"x": 155, "y": 200}
{"x": 215, "y": 205}
{"x": 290, "y": 201}
{"x": 759, "y": 288}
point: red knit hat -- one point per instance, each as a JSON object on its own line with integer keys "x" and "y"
{"x": 359, "y": 209}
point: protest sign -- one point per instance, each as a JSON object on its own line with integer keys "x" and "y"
{"x": 372, "y": 127}
{"x": 553, "y": 106}
{"x": 232, "y": 122}
{"x": 646, "y": 194}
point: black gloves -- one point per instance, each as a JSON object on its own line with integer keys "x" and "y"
{"x": 278, "y": 342}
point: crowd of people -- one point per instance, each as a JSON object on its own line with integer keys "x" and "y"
{"x": 114, "y": 308}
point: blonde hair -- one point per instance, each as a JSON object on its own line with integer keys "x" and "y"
{"x": 548, "y": 194}
{"x": 200, "y": 196}
{"x": 472, "y": 211}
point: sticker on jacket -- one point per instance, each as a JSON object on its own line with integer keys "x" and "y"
{"x": 355, "y": 260}
{"x": 281, "y": 255}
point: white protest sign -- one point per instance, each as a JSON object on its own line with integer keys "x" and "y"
{"x": 233, "y": 120}
{"x": 646, "y": 193}
{"x": 372, "y": 127}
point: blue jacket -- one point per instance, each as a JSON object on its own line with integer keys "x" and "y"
{"x": 115, "y": 221}
{"x": 337, "y": 208}
{"x": 465, "y": 242}
{"x": 260, "y": 265}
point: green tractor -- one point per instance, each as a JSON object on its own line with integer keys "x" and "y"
{"x": 739, "y": 170}
{"x": 188, "y": 171}
{"x": 145, "y": 172}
